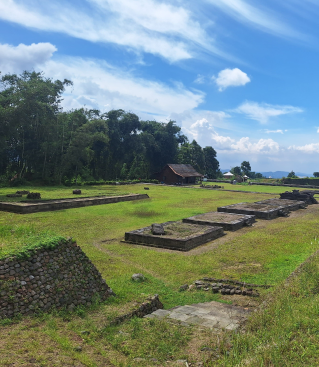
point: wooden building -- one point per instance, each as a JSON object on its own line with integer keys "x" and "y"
{"x": 179, "y": 174}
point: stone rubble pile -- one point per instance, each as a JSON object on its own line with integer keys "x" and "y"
{"x": 306, "y": 196}
{"x": 223, "y": 288}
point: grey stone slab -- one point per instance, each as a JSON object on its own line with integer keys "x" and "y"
{"x": 161, "y": 313}
{"x": 178, "y": 316}
{"x": 195, "y": 320}
{"x": 210, "y": 314}
{"x": 209, "y": 323}
{"x": 185, "y": 309}
{"x": 200, "y": 311}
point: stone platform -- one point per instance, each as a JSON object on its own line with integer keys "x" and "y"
{"x": 262, "y": 211}
{"x": 50, "y": 205}
{"x": 179, "y": 236}
{"x": 209, "y": 314}
{"x": 292, "y": 205}
{"x": 229, "y": 221}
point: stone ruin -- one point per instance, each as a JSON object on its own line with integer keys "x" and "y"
{"x": 306, "y": 196}
{"x": 174, "y": 235}
{"x": 49, "y": 278}
{"x": 229, "y": 221}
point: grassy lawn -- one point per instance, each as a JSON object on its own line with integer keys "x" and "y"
{"x": 264, "y": 254}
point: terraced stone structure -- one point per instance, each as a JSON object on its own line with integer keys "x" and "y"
{"x": 59, "y": 277}
{"x": 229, "y": 221}
{"x": 262, "y": 211}
{"x": 178, "y": 236}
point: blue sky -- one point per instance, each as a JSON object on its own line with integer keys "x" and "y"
{"x": 239, "y": 75}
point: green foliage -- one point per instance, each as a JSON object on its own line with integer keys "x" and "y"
{"x": 292, "y": 175}
{"x": 211, "y": 163}
{"x": 236, "y": 171}
{"x": 316, "y": 174}
{"x": 41, "y": 142}
{"x": 246, "y": 168}
{"x": 286, "y": 332}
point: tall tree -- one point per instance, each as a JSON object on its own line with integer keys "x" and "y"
{"x": 236, "y": 171}
{"x": 211, "y": 162}
{"x": 29, "y": 104}
{"x": 245, "y": 167}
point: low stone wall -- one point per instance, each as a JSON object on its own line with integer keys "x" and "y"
{"x": 50, "y": 205}
{"x": 150, "y": 305}
{"x": 60, "y": 277}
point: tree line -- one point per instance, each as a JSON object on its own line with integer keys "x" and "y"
{"x": 245, "y": 169}
{"x": 39, "y": 141}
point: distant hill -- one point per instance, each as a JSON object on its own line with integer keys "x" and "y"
{"x": 280, "y": 174}
{"x": 277, "y": 174}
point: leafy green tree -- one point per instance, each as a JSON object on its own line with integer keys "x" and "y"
{"x": 29, "y": 107}
{"x": 211, "y": 163}
{"x": 124, "y": 172}
{"x": 245, "y": 167}
{"x": 316, "y": 174}
{"x": 292, "y": 174}
{"x": 236, "y": 171}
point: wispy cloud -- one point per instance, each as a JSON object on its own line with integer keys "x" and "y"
{"x": 150, "y": 26}
{"x": 275, "y": 131}
{"x": 231, "y": 78}
{"x": 257, "y": 17}
{"x": 262, "y": 112}
{"x": 100, "y": 85}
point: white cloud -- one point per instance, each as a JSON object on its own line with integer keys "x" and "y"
{"x": 231, "y": 78}
{"x": 262, "y": 112}
{"x": 318, "y": 130}
{"x": 97, "y": 83}
{"x": 148, "y": 26}
{"x": 308, "y": 148}
{"x": 274, "y": 131}
{"x": 221, "y": 142}
{"x": 200, "y": 124}
{"x": 262, "y": 146}
{"x": 258, "y": 17}
{"x": 244, "y": 145}
{"x": 24, "y": 57}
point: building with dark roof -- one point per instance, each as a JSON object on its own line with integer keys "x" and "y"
{"x": 178, "y": 174}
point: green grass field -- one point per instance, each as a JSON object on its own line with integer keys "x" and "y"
{"x": 264, "y": 254}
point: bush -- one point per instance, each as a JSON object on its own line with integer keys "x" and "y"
{"x": 19, "y": 182}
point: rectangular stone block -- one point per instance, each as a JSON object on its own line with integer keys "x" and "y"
{"x": 262, "y": 211}
{"x": 176, "y": 241}
{"x": 229, "y": 221}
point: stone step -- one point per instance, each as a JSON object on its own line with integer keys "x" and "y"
{"x": 210, "y": 314}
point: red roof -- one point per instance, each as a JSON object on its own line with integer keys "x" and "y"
{"x": 184, "y": 170}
